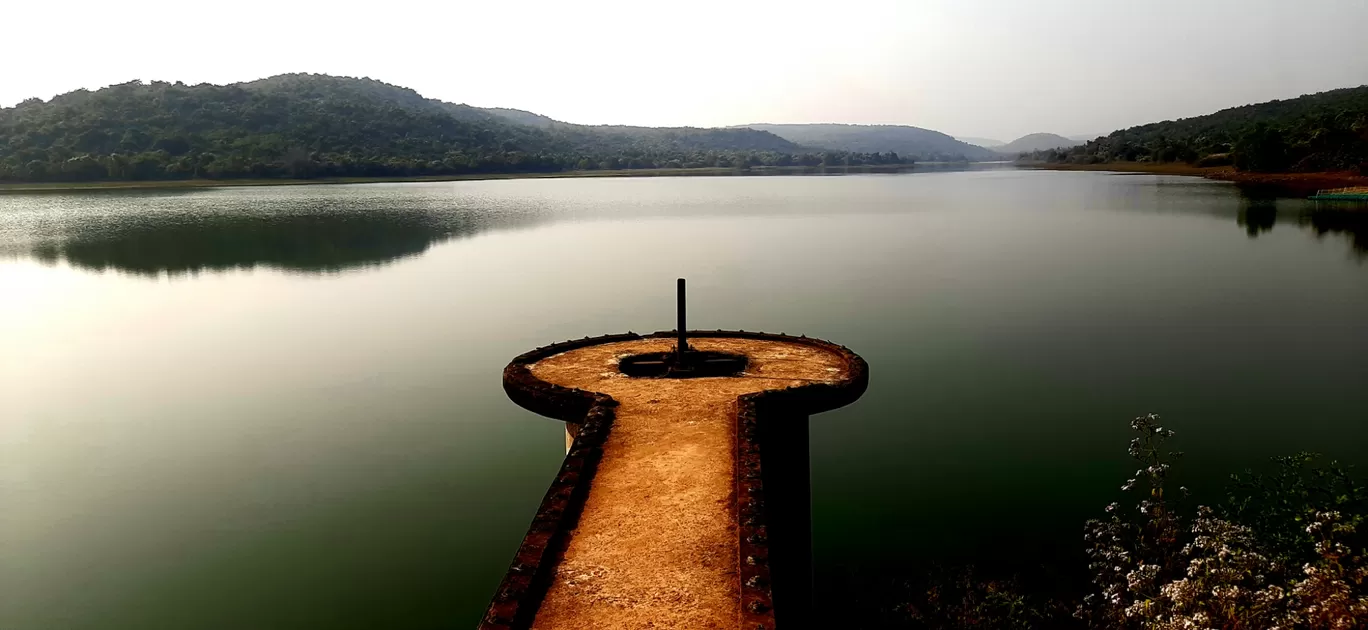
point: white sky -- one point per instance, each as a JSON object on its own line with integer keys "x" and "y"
{"x": 988, "y": 68}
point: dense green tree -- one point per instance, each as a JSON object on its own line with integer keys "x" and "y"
{"x": 1261, "y": 150}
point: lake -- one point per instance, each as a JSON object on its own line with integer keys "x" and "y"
{"x": 280, "y": 407}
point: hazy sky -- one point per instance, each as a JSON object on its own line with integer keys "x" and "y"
{"x": 996, "y": 69}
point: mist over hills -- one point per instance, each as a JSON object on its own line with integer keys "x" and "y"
{"x": 982, "y": 142}
{"x": 1037, "y": 142}
{"x": 904, "y": 140}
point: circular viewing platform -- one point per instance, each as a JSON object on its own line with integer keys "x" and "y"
{"x": 682, "y": 501}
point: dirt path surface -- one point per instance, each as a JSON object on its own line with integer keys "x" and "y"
{"x": 656, "y": 544}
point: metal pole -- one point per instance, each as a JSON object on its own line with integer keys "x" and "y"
{"x": 683, "y": 343}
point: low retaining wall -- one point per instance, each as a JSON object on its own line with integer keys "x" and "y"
{"x": 515, "y": 603}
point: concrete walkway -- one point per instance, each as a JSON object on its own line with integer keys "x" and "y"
{"x": 656, "y": 544}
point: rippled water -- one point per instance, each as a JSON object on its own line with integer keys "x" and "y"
{"x": 279, "y": 407}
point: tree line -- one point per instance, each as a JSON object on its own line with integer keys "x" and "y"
{"x": 1318, "y": 132}
{"x": 310, "y": 126}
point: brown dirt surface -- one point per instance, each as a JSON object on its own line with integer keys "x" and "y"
{"x": 1293, "y": 184}
{"x": 656, "y": 544}
{"x": 1157, "y": 168}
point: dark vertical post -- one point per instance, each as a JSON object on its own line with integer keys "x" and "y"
{"x": 683, "y": 343}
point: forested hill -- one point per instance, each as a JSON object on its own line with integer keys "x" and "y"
{"x": 1037, "y": 142}
{"x": 923, "y": 144}
{"x": 735, "y": 138}
{"x": 1317, "y": 132}
{"x": 302, "y": 126}
{"x": 521, "y": 117}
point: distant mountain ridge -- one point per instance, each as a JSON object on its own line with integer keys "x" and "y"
{"x": 924, "y": 144}
{"x": 1037, "y": 142}
{"x": 986, "y": 143}
{"x": 906, "y": 141}
{"x": 735, "y": 138}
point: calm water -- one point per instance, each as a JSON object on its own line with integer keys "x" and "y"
{"x": 280, "y": 407}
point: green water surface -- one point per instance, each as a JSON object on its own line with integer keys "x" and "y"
{"x": 280, "y": 408}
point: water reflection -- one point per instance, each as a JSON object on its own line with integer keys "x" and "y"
{"x": 1259, "y": 213}
{"x": 1257, "y": 216}
{"x": 1352, "y": 224}
{"x": 180, "y": 234}
{"x": 311, "y": 243}
{"x": 252, "y": 453}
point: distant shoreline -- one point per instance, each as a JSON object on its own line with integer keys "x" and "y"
{"x": 226, "y": 183}
{"x": 175, "y": 184}
{"x": 1287, "y": 184}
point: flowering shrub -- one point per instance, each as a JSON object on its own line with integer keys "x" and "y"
{"x": 1284, "y": 551}
{"x": 1155, "y": 571}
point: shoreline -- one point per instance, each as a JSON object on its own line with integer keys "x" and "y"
{"x": 1280, "y": 184}
{"x": 709, "y": 171}
{"x": 171, "y": 184}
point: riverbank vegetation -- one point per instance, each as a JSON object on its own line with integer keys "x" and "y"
{"x": 304, "y": 126}
{"x": 1325, "y": 132}
{"x": 1283, "y": 548}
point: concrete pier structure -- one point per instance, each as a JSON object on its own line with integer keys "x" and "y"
{"x": 682, "y": 502}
